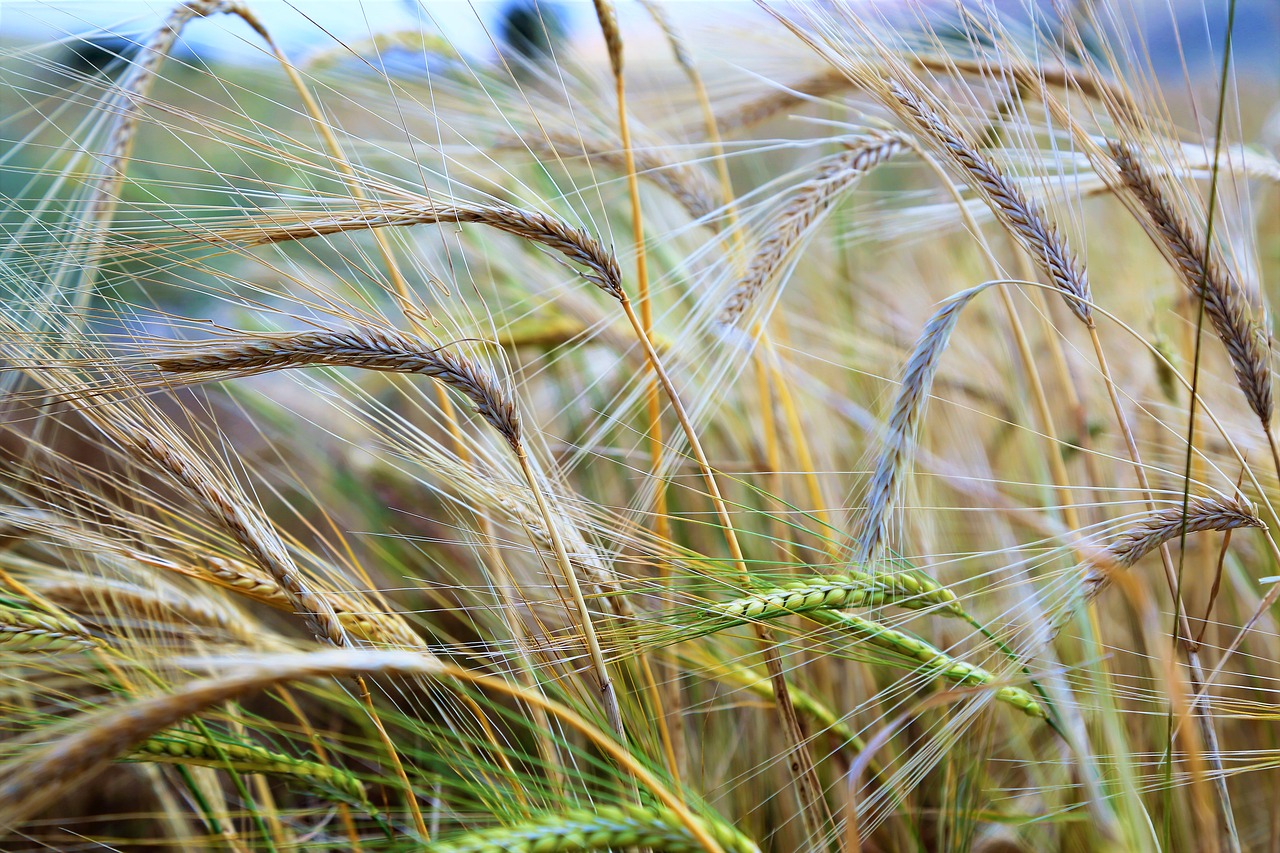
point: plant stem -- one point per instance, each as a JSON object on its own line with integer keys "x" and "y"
{"x": 1171, "y": 576}
{"x": 813, "y": 807}
{"x": 608, "y": 695}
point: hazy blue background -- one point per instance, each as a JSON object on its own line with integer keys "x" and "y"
{"x": 1198, "y": 23}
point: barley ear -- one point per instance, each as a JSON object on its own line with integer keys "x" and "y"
{"x": 601, "y": 828}
{"x": 364, "y": 347}
{"x": 932, "y": 660}
{"x": 1208, "y": 277}
{"x": 808, "y": 203}
{"x": 1021, "y": 218}
{"x": 1159, "y": 527}
{"x": 904, "y": 423}
{"x": 608, "y": 17}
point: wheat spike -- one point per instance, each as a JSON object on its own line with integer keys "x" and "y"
{"x": 607, "y": 15}
{"x": 935, "y": 662}
{"x": 380, "y": 349}
{"x": 832, "y": 81}
{"x": 409, "y": 41}
{"x": 1021, "y": 217}
{"x": 111, "y": 602}
{"x": 191, "y": 749}
{"x": 904, "y": 423}
{"x": 1163, "y": 526}
{"x": 675, "y": 39}
{"x": 374, "y": 627}
{"x": 573, "y": 243}
{"x": 839, "y": 592}
{"x": 810, "y": 200}
{"x": 1209, "y": 279}
{"x": 238, "y": 517}
{"x": 365, "y": 347}
{"x": 131, "y": 92}
{"x": 26, "y": 630}
{"x": 821, "y": 85}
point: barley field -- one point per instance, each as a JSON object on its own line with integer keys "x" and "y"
{"x": 827, "y": 427}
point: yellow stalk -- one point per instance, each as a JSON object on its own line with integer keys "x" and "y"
{"x": 608, "y": 695}
{"x": 661, "y": 523}
{"x": 813, "y": 809}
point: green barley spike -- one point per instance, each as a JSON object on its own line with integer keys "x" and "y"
{"x": 601, "y": 828}
{"x": 837, "y": 592}
{"x": 26, "y": 630}
{"x": 176, "y": 747}
{"x": 935, "y": 661}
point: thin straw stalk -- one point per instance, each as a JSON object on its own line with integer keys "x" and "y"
{"x": 608, "y": 18}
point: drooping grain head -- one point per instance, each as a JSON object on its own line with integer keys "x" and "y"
{"x": 1209, "y": 278}
{"x": 1162, "y": 526}
{"x": 1023, "y": 219}
{"x": 369, "y": 348}
{"x": 809, "y": 202}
